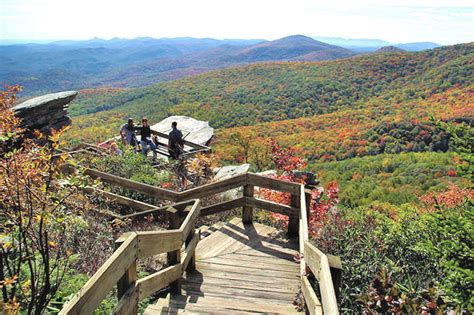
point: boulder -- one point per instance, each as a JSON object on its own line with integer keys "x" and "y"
{"x": 45, "y": 112}
{"x": 231, "y": 170}
{"x": 227, "y": 172}
{"x": 193, "y": 130}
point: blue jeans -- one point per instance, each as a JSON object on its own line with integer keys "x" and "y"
{"x": 145, "y": 143}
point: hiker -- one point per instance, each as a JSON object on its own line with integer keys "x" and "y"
{"x": 175, "y": 141}
{"x": 146, "y": 140}
{"x": 127, "y": 133}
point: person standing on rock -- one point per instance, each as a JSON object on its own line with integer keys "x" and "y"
{"x": 146, "y": 140}
{"x": 127, "y": 133}
{"x": 175, "y": 141}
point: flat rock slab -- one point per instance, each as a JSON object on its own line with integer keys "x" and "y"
{"x": 45, "y": 112}
{"x": 193, "y": 130}
{"x": 45, "y": 101}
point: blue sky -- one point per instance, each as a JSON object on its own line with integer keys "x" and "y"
{"x": 445, "y": 22}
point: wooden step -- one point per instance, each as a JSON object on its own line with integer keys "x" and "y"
{"x": 220, "y": 305}
{"x": 240, "y": 269}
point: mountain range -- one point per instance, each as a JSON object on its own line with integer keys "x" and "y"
{"x": 63, "y": 65}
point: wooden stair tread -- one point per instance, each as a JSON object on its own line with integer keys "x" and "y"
{"x": 240, "y": 269}
{"x": 218, "y": 304}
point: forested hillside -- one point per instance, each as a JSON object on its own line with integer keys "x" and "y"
{"x": 334, "y": 109}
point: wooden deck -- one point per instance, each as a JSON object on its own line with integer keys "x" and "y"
{"x": 239, "y": 269}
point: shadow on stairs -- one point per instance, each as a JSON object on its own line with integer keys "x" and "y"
{"x": 240, "y": 269}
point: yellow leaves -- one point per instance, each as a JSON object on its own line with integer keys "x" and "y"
{"x": 7, "y": 245}
{"x": 10, "y": 307}
{"x": 9, "y": 281}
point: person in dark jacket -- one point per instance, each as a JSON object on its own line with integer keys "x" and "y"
{"x": 146, "y": 139}
{"x": 175, "y": 141}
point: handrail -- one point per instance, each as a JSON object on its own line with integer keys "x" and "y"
{"x": 181, "y": 241}
{"x": 319, "y": 265}
{"x": 120, "y": 268}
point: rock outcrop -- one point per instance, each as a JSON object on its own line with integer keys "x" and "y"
{"x": 226, "y": 172}
{"x": 194, "y": 130}
{"x": 45, "y": 112}
{"x": 229, "y": 171}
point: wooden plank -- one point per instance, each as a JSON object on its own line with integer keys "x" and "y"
{"x": 326, "y": 287}
{"x": 334, "y": 261}
{"x": 190, "y": 220}
{"x": 159, "y": 280}
{"x": 134, "y": 204}
{"x": 133, "y": 185}
{"x": 99, "y": 285}
{"x": 128, "y": 304}
{"x": 231, "y": 260}
{"x": 303, "y": 226}
{"x": 213, "y": 188}
{"x": 189, "y": 251}
{"x": 247, "y": 212}
{"x": 293, "y": 219}
{"x": 303, "y": 217}
{"x": 271, "y": 206}
{"x": 222, "y": 206}
{"x": 186, "y": 142}
{"x": 218, "y": 304}
{"x": 274, "y": 184}
{"x": 277, "y": 286}
{"x": 312, "y": 302}
{"x": 152, "y": 243}
{"x": 317, "y": 260}
{"x": 248, "y": 258}
{"x": 312, "y": 257}
{"x": 267, "y": 295}
{"x": 202, "y": 265}
{"x": 257, "y": 279}
{"x": 127, "y": 281}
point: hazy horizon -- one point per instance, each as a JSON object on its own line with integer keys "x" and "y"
{"x": 395, "y": 21}
{"x": 317, "y": 37}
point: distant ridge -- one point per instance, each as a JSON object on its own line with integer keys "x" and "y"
{"x": 389, "y": 49}
{"x": 295, "y": 47}
{"x": 366, "y": 45}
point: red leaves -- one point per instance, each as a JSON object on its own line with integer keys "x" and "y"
{"x": 450, "y": 198}
{"x": 285, "y": 159}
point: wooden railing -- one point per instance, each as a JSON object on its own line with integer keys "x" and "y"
{"x": 325, "y": 268}
{"x": 120, "y": 268}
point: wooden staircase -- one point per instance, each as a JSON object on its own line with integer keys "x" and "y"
{"x": 240, "y": 269}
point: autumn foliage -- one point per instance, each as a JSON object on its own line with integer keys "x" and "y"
{"x": 36, "y": 203}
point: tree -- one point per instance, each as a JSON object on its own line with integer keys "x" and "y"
{"x": 36, "y": 207}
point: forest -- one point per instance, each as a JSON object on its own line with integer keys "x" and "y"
{"x": 389, "y": 136}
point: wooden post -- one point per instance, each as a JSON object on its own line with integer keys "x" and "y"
{"x": 128, "y": 279}
{"x": 174, "y": 257}
{"x": 247, "y": 212}
{"x": 192, "y": 263}
{"x": 307, "y": 195}
{"x": 293, "y": 220}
